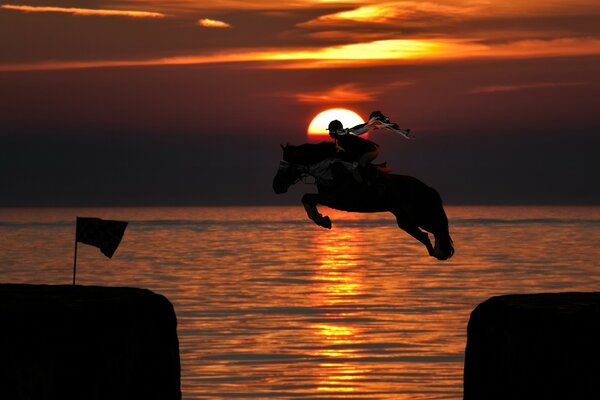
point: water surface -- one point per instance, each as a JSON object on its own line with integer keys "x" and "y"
{"x": 271, "y": 306}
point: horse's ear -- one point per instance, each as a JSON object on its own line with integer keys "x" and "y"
{"x": 282, "y": 147}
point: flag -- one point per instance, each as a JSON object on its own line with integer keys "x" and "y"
{"x": 101, "y": 233}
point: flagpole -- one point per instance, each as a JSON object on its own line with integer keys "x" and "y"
{"x": 75, "y": 257}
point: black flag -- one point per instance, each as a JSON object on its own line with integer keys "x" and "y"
{"x": 101, "y": 233}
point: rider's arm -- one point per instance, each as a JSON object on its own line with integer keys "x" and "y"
{"x": 360, "y": 128}
{"x": 366, "y": 127}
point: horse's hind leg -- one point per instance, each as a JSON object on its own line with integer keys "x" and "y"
{"x": 414, "y": 231}
{"x": 310, "y": 201}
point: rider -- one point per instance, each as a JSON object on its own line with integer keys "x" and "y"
{"x": 360, "y": 151}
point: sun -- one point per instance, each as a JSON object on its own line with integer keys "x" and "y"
{"x": 318, "y": 126}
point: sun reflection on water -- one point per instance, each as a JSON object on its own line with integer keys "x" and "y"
{"x": 338, "y": 282}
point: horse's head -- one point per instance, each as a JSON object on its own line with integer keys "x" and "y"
{"x": 295, "y": 162}
{"x": 286, "y": 175}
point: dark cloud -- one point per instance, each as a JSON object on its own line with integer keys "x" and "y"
{"x": 30, "y": 37}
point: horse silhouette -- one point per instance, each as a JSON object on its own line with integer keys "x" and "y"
{"x": 415, "y": 205}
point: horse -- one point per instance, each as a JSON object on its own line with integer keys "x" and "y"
{"x": 416, "y": 206}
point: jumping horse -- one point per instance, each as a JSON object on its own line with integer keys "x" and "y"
{"x": 416, "y": 206}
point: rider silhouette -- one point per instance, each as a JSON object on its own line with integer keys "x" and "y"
{"x": 358, "y": 150}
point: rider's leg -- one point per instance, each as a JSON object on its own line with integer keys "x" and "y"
{"x": 366, "y": 158}
{"x": 360, "y": 167}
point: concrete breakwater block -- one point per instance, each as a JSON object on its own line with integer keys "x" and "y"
{"x": 87, "y": 342}
{"x": 534, "y": 346}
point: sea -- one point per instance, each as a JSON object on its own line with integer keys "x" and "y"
{"x": 271, "y": 306}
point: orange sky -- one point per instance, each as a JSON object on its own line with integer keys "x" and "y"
{"x": 474, "y": 74}
{"x": 307, "y": 34}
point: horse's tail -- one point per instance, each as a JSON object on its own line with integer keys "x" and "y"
{"x": 444, "y": 246}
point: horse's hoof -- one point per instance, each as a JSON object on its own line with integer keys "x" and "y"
{"x": 325, "y": 223}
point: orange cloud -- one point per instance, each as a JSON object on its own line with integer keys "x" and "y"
{"x": 395, "y": 51}
{"x": 85, "y": 11}
{"x": 559, "y": 47}
{"x": 213, "y": 23}
{"x": 523, "y": 86}
{"x": 368, "y": 54}
{"x": 350, "y": 36}
{"x": 348, "y": 93}
{"x": 389, "y": 13}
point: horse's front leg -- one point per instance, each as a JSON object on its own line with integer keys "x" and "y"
{"x": 310, "y": 201}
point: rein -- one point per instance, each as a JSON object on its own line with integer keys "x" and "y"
{"x": 303, "y": 169}
{"x": 318, "y": 170}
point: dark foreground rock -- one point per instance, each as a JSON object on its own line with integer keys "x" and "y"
{"x": 87, "y": 342}
{"x": 539, "y": 346}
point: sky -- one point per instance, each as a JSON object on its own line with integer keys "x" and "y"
{"x": 151, "y": 103}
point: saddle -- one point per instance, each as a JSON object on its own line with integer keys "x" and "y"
{"x": 372, "y": 172}
{"x": 331, "y": 170}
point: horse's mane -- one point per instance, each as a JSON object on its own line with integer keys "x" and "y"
{"x": 311, "y": 153}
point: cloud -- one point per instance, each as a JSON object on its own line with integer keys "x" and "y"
{"x": 456, "y": 19}
{"x": 536, "y": 48}
{"x": 334, "y": 55}
{"x": 348, "y": 93}
{"x": 389, "y": 13}
{"x": 213, "y": 23}
{"x": 394, "y": 12}
{"x": 523, "y": 86}
{"x": 368, "y": 54}
{"x": 407, "y": 51}
{"x": 84, "y": 11}
{"x": 376, "y": 50}
{"x": 355, "y": 36}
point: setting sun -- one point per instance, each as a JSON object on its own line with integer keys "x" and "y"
{"x": 318, "y": 126}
